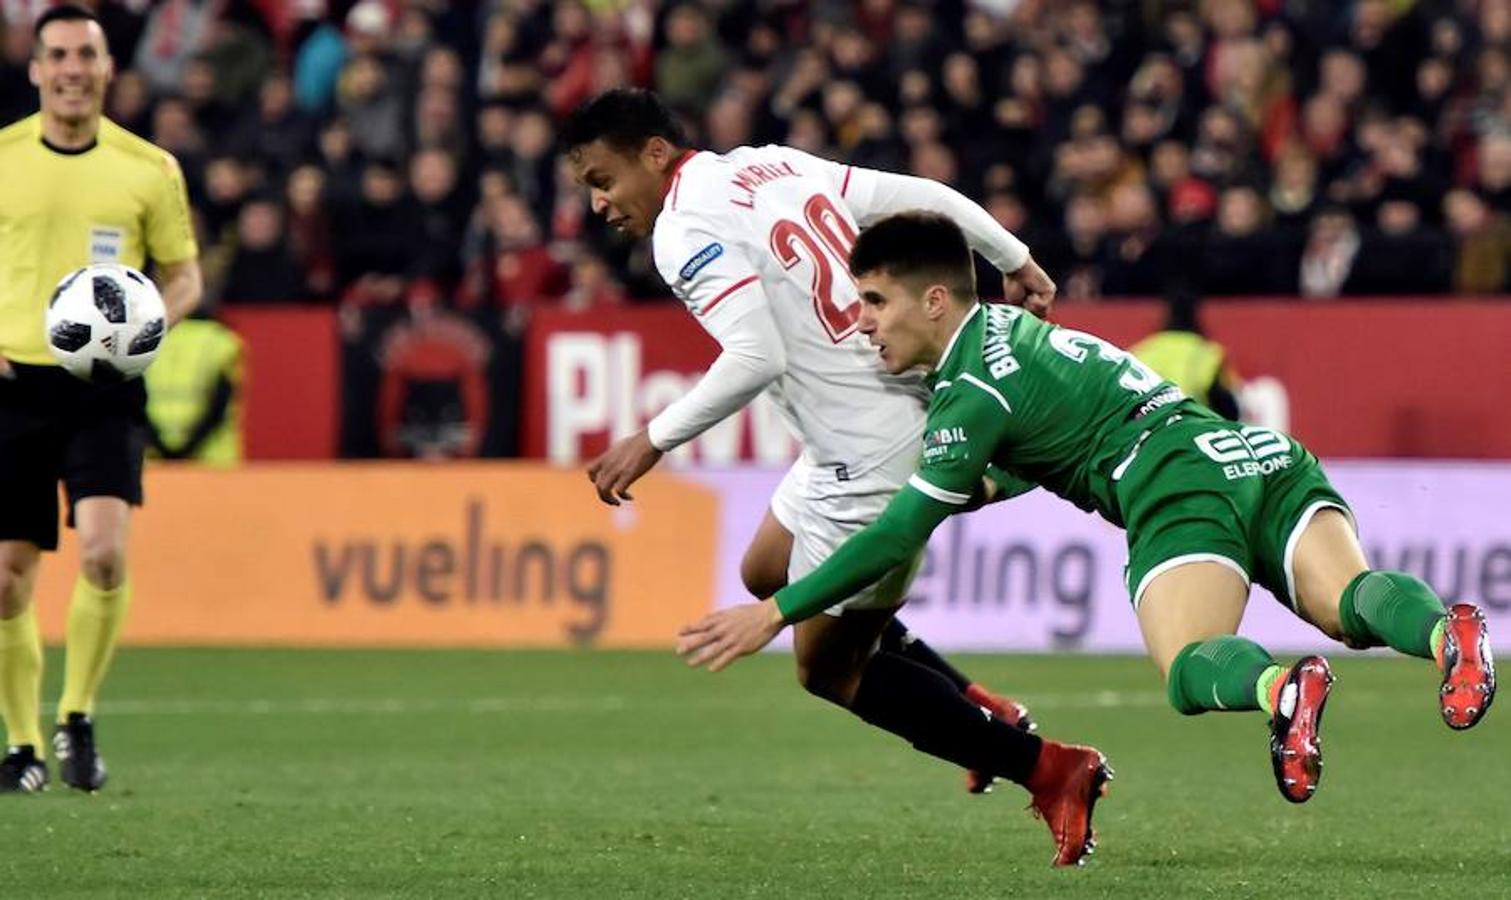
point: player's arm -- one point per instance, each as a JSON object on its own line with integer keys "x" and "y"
{"x": 959, "y": 442}
{"x": 720, "y": 638}
{"x": 169, "y": 234}
{"x": 751, "y": 356}
{"x": 721, "y": 289}
{"x": 944, "y": 484}
{"x": 872, "y": 194}
{"x": 889, "y": 542}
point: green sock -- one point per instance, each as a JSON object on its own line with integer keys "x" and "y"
{"x": 1391, "y": 608}
{"x": 1219, "y": 673}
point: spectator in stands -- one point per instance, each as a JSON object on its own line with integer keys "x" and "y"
{"x": 492, "y": 126}
{"x": 373, "y": 107}
{"x": 509, "y": 264}
{"x": 440, "y": 211}
{"x": 593, "y": 285}
{"x": 129, "y": 104}
{"x": 376, "y": 238}
{"x": 317, "y": 68}
{"x": 309, "y": 231}
{"x": 1331, "y": 247}
{"x": 531, "y": 161}
{"x": 936, "y": 161}
{"x": 1483, "y": 260}
{"x": 17, "y": 97}
{"x": 197, "y": 88}
{"x": 262, "y": 269}
{"x": 729, "y": 122}
{"x": 275, "y": 131}
{"x": 916, "y": 43}
{"x": 438, "y": 122}
{"x": 174, "y": 130}
{"x": 239, "y": 56}
{"x": 1402, "y": 254}
{"x": 570, "y": 59}
{"x": 1135, "y": 263}
{"x": 1493, "y": 177}
{"x": 1243, "y": 256}
{"x": 1341, "y": 76}
{"x": 690, "y": 66}
{"x": 1293, "y": 189}
{"x": 228, "y": 181}
{"x": 1077, "y": 259}
{"x": 1224, "y": 150}
{"x": 1324, "y": 133}
{"x": 1434, "y": 85}
{"x": 176, "y": 32}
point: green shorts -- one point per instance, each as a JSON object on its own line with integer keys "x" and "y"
{"x": 1201, "y": 488}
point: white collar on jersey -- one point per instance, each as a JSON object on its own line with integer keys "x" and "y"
{"x": 975, "y": 308}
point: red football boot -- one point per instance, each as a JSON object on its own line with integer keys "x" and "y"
{"x": 1468, "y": 668}
{"x": 1295, "y": 744}
{"x": 1066, "y": 784}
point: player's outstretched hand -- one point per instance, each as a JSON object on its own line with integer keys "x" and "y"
{"x": 720, "y": 638}
{"x": 621, "y": 465}
{"x": 1031, "y": 288}
{"x": 5, "y": 368}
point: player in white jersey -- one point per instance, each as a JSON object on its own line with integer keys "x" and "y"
{"x": 756, "y": 243}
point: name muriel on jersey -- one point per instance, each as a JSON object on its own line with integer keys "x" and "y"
{"x": 752, "y": 177}
{"x": 997, "y": 353}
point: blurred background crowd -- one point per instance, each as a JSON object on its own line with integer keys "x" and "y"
{"x": 403, "y": 151}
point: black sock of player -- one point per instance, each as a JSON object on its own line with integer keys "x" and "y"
{"x": 896, "y": 638}
{"x": 921, "y": 706}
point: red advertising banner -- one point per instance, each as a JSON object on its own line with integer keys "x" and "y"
{"x": 596, "y": 376}
{"x": 291, "y": 404}
{"x": 1409, "y": 378}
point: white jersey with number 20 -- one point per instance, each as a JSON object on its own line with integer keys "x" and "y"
{"x": 756, "y": 242}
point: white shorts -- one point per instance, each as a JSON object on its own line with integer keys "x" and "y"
{"x": 822, "y": 511}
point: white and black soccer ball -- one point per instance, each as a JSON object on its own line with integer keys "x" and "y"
{"x": 105, "y": 322}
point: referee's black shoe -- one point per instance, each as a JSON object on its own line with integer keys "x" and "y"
{"x": 79, "y": 762}
{"x": 21, "y": 772}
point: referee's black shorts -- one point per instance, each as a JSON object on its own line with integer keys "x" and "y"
{"x": 55, "y": 427}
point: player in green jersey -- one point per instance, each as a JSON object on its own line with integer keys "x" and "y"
{"x": 1209, "y": 505}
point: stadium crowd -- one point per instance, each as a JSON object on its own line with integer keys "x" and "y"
{"x": 402, "y": 151}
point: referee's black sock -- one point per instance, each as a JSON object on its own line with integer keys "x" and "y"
{"x": 896, "y": 638}
{"x": 922, "y": 707}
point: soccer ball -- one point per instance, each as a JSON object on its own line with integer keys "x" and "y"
{"x": 105, "y": 322}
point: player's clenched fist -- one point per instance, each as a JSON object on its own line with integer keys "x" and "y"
{"x": 1031, "y": 288}
{"x": 720, "y": 638}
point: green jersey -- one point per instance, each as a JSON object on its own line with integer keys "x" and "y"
{"x": 1051, "y": 406}
{"x": 1056, "y": 407}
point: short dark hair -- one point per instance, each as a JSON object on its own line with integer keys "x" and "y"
{"x": 917, "y": 246}
{"x": 65, "y": 13}
{"x": 623, "y": 118}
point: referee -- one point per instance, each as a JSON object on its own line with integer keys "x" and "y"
{"x": 75, "y": 189}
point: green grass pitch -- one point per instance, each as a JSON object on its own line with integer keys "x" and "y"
{"x": 510, "y": 774}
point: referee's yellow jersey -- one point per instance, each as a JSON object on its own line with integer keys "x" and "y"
{"x": 121, "y": 200}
